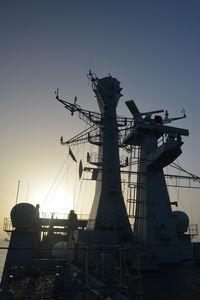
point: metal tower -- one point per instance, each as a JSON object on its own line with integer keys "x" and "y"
{"x": 155, "y": 228}
{"x": 108, "y": 213}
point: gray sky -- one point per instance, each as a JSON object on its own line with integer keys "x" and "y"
{"x": 152, "y": 47}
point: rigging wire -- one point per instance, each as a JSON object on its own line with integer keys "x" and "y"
{"x": 80, "y": 183}
{"x": 193, "y": 177}
{"x": 177, "y": 188}
{"x": 78, "y": 195}
{"x": 61, "y": 179}
{"x": 176, "y": 166}
{"x": 83, "y": 187}
{"x": 54, "y": 186}
{"x": 75, "y": 183}
{"x": 54, "y": 181}
{"x": 65, "y": 173}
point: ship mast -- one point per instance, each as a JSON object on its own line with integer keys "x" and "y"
{"x": 108, "y": 212}
{"x": 155, "y": 226}
{"x": 158, "y": 145}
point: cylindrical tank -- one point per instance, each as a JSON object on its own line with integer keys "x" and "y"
{"x": 24, "y": 215}
{"x": 26, "y": 236}
{"x": 181, "y": 221}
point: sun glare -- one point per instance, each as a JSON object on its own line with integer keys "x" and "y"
{"x": 61, "y": 201}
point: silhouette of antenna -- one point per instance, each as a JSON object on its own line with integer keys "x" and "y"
{"x": 18, "y": 186}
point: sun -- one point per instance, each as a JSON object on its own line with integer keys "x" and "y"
{"x": 59, "y": 201}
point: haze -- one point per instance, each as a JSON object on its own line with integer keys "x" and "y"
{"x": 152, "y": 47}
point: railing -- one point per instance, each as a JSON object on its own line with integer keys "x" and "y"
{"x": 7, "y": 225}
{"x": 90, "y": 118}
{"x": 94, "y": 158}
{"x": 63, "y": 216}
{"x": 193, "y": 230}
{"x": 8, "y": 228}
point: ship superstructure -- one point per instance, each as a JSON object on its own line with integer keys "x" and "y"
{"x": 155, "y": 223}
{"x": 104, "y": 257}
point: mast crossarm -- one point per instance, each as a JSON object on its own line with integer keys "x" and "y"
{"x": 82, "y": 137}
{"x": 179, "y": 180}
{"x": 86, "y": 115}
{"x": 182, "y": 181}
{"x": 162, "y": 129}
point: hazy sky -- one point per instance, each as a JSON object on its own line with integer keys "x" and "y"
{"x": 151, "y": 46}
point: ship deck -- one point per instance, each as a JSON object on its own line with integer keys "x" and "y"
{"x": 172, "y": 282}
{"x": 175, "y": 282}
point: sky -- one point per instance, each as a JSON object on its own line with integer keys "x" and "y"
{"x": 151, "y": 46}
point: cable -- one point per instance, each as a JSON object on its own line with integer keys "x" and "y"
{"x": 53, "y": 183}
{"x": 176, "y": 166}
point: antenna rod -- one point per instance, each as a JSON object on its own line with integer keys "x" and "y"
{"x": 17, "y": 192}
